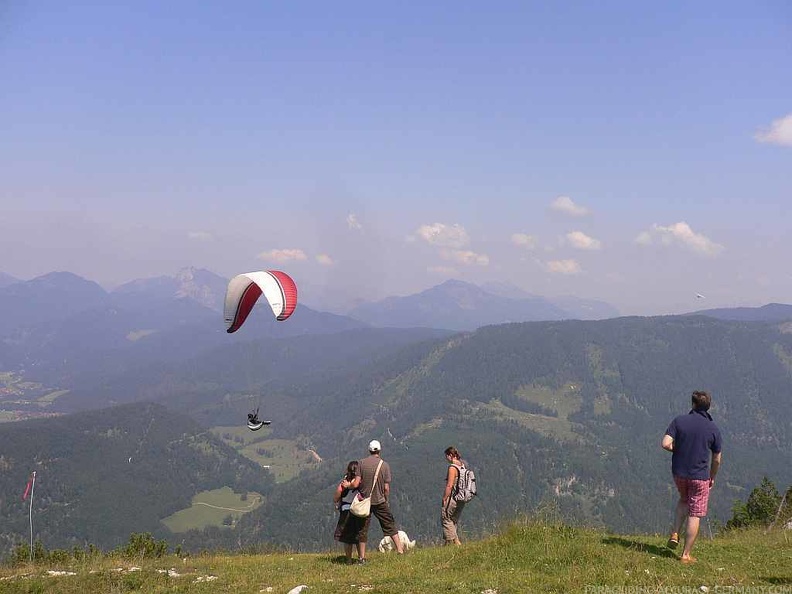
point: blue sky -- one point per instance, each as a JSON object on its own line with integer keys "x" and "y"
{"x": 637, "y": 153}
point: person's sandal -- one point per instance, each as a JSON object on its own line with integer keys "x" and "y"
{"x": 673, "y": 541}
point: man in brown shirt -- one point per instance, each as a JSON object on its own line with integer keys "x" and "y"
{"x": 379, "y": 496}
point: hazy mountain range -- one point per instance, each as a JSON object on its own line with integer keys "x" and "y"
{"x": 65, "y": 327}
{"x": 457, "y": 305}
{"x": 453, "y": 305}
{"x": 562, "y": 410}
{"x": 772, "y": 312}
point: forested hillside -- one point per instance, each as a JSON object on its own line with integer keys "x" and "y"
{"x": 565, "y": 411}
{"x": 569, "y": 413}
{"x": 104, "y": 474}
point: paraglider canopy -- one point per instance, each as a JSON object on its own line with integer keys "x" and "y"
{"x": 244, "y": 290}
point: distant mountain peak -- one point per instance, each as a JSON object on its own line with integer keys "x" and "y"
{"x": 455, "y": 305}
{"x": 7, "y": 279}
{"x": 201, "y": 285}
{"x": 506, "y": 290}
{"x": 197, "y": 284}
{"x": 453, "y": 282}
{"x": 460, "y": 305}
{"x": 60, "y": 276}
{"x": 51, "y": 296}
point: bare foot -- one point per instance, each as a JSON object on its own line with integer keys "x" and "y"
{"x": 688, "y": 560}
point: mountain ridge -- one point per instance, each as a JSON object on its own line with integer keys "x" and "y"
{"x": 771, "y": 312}
{"x": 457, "y": 305}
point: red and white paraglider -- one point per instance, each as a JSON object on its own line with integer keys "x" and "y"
{"x": 244, "y": 290}
{"x": 242, "y": 294}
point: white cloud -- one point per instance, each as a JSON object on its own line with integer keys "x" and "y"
{"x": 563, "y": 267}
{"x": 324, "y": 260}
{"x": 200, "y": 235}
{"x": 566, "y": 205}
{"x": 581, "y": 241}
{"x": 440, "y": 234}
{"x": 283, "y": 255}
{"x": 524, "y": 240}
{"x": 465, "y": 257}
{"x": 680, "y": 234}
{"x": 779, "y": 132}
{"x": 353, "y": 222}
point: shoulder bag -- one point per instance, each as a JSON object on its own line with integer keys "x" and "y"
{"x": 361, "y": 506}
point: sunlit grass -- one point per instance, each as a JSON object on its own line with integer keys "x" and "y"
{"x": 555, "y": 427}
{"x": 526, "y": 556}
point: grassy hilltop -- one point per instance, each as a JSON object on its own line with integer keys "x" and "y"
{"x": 526, "y": 556}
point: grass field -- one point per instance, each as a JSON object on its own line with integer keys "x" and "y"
{"x": 284, "y": 458}
{"x": 51, "y": 397}
{"x": 17, "y": 395}
{"x": 524, "y": 557}
{"x": 564, "y": 402}
{"x": 555, "y": 427}
{"x": 211, "y": 508}
{"x": 240, "y": 436}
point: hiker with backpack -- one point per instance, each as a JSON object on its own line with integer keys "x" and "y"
{"x": 460, "y": 488}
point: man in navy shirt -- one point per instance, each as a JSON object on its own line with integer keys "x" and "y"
{"x": 695, "y": 442}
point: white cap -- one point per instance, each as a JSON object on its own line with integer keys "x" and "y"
{"x": 374, "y": 446}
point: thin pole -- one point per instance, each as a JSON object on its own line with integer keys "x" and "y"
{"x": 778, "y": 512}
{"x": 30, "y": 513}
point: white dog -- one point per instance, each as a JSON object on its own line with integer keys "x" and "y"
{"x": 386, "y": 544}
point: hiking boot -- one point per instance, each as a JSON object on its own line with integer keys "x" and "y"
{"x": 673, "y": 541}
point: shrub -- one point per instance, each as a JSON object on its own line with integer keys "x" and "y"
{"x": 144, "y": 546}
{"x": 759, "y": 509}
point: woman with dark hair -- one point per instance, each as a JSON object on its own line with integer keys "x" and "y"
{"x": 349, "y": 525}
{"x": 452, "y": 509}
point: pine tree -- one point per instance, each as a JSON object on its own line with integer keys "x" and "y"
{"x": 760, "y": 508}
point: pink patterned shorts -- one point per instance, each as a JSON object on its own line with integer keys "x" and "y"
{"x": 694, "y": 492}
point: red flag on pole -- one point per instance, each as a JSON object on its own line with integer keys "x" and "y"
{"x": 27, "y": 489}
